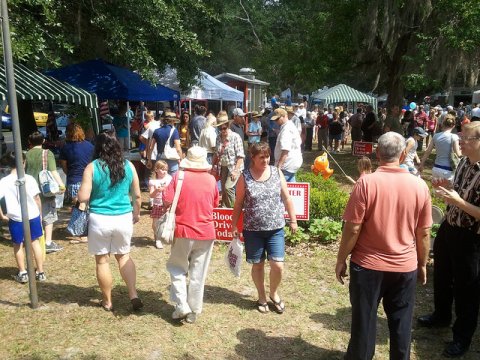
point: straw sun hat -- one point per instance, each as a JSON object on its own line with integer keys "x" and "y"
{"x": 196, "y": 159}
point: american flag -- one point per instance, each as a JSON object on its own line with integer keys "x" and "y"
{"x": 104, "y": 109}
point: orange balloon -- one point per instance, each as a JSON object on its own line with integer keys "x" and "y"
{"x": 321, "y": 166}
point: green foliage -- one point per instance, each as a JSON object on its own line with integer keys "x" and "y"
{"x": 434, "y": 230}
{"x": 326, "y": 230}
{"x": 326, "y": 197}
{"x": 299, "y": 237}
{"x": 144, "y": 35}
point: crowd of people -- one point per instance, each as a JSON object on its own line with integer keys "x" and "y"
{"x": 210, "y": 160}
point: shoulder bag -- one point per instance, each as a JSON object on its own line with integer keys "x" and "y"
{"x": 78, "y": 224}
{"x": 454, "y": 159}
{"x": 169, "y": 152}
{"x": 166, "y": 224}
{"x": 48, "y": 185}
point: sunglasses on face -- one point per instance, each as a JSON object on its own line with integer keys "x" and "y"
{"x": 467, "y": 138}
{"x": 224, "y": 128}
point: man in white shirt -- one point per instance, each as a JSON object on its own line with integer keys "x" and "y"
{"x": 292, "y": 116}
{"x": 301, "y": 112}
{"x": 288, "y": 154}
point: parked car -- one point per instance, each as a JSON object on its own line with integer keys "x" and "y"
{"x": 6, "y": 121}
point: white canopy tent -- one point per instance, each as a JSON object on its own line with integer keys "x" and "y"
{"x": 208, "y": 88}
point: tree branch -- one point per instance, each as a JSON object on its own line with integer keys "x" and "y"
{"x": 249, "y": 21}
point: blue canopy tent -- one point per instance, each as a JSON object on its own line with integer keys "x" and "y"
{"x": 109, "y": 81}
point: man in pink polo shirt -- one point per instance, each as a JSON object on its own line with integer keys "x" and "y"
{"x": 387, "y": 233}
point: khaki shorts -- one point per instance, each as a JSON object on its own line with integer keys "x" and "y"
{"x": 49, "y": 210}
{"x": 109, "y": 234}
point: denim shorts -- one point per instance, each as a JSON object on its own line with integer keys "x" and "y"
{"x": 261, "y": 245}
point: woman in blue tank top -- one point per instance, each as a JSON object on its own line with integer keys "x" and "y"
{"x": 110, "y": 183}
{"x": 263, "y": 195}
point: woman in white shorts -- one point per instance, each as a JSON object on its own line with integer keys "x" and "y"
{"x": 444, "y": 143}
{"x": 110, "y": 185}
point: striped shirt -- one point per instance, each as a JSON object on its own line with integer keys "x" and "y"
{"x": 467, "y": 184}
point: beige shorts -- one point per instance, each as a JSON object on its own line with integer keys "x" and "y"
{"x": 109, "y": 234}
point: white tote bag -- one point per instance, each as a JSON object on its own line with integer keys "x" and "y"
{"x": 233, "y": 256}
{"x": 169, "y": 152}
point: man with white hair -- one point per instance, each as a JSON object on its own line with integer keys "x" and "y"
{"x": 387, "y": 233}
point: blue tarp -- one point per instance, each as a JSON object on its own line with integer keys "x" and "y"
{"x": 112, "y": 82}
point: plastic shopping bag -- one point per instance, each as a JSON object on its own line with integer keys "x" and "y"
{"x": 233, "y": 256}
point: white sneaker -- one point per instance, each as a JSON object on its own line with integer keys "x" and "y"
{"x": 179, "y": 313}
{"x": 158, "y": 244}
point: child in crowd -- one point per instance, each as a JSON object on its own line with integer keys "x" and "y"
{"x": 364, "y": 166}
{"x": 411, "y": 150}
{"x": 156, "y": 186}
{"x": 9, "y": 190}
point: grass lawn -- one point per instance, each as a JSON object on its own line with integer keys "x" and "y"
{"x": 69, "y": 324}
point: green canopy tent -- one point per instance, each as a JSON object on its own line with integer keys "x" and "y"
{"x": 35, "y": 86}
{"x": 343, "y": 93}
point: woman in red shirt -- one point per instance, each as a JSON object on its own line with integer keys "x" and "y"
{"x": 431, "y": 125}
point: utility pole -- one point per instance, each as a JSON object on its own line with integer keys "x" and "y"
{"x": 12, "y": 101}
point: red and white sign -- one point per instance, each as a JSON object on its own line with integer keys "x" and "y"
{"x": 361, "y": 148}
{"x": 299, "y": 193}
{"x": 222, "y": 218}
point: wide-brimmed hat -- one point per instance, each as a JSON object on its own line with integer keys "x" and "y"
{"x": 196, "y": 159}
{"x": 289, "y": 109}
{"x": 278, "y": 113}
{"x": 170, "y": 116}
{"x": 256, "y": 114}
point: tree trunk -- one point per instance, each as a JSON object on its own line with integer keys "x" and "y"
{"x": 395, "y": 85}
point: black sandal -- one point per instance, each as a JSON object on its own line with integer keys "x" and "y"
{"x": 278, "y": 306}
{"x": 263, "y": 308}
{"x": 137, "y": 304}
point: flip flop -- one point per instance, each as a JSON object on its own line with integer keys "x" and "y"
{"x": 263, "y": 308}
{"x": 278, "y": 306}
{"x": 104, "y": 307}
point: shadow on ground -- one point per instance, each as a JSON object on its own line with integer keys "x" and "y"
{"x": 219, "y": 295}
{"x": 341, "y": 321}
{"x": 255, "y": 342}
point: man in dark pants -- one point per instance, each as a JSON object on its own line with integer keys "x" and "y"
{"x": 387, "y": 233}
{"x": 457, "y": 257}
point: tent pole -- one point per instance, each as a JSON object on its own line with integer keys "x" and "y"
{"x": 128, "y": 128}
{"x": 190, "y": 107}
{"x": 12, "y": 100}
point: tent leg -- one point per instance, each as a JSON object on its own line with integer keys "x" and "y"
{"x": 128, "y": 128}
